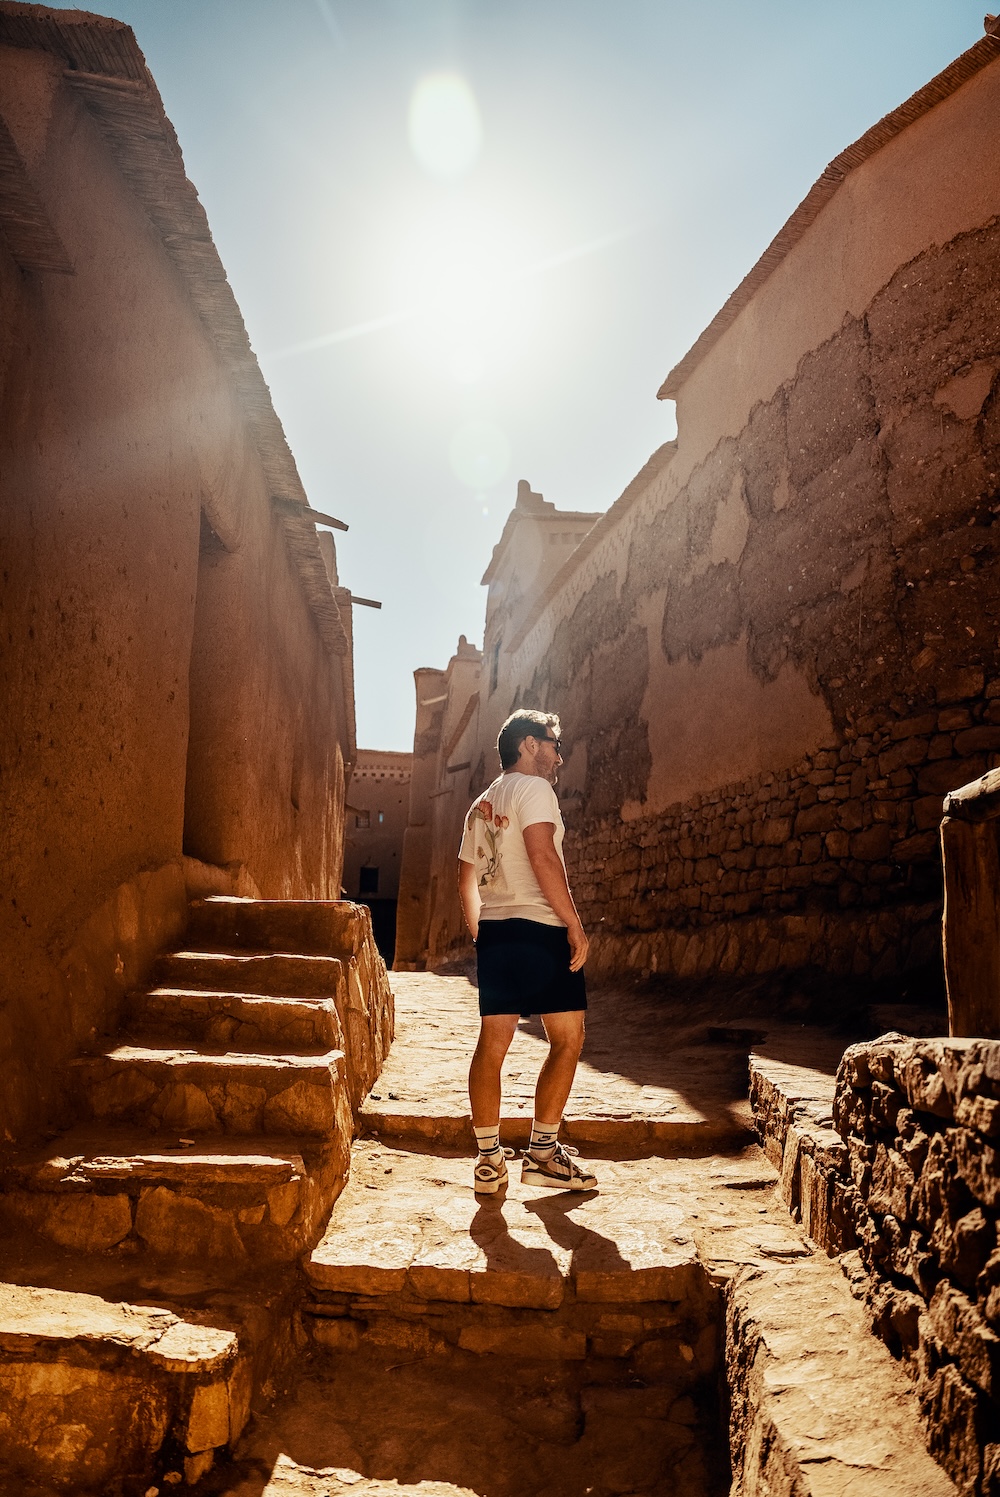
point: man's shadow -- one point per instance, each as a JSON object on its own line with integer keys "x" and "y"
{"x": 490, "y": 1229}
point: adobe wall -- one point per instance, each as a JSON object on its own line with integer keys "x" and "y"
{"x": 773, "y": 662}
{"x": 429, "y": 923}
{"x": 118, "y": 424}
{"x": 377, "y": 810}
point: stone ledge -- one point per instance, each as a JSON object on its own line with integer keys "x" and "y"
{"x": 91, "y": 1392}
{"x": 818, "y": 1407}
{"x": 793, "y": 1115}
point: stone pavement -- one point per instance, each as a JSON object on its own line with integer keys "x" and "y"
{"x": 630, "y": 1091}
{"x": 544, "y": 1344}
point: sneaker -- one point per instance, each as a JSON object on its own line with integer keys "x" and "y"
{"x": 491, "y": 1173}
{"x": 558, "y": 1171}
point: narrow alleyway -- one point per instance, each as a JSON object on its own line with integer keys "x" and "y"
{"x": 559, "y": 1345}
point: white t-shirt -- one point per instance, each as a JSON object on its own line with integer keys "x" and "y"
{"x": 494, "y": 842}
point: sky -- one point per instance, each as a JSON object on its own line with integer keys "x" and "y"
{"x": 469, "y": 239}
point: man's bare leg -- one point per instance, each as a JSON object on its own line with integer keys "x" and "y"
{"x": 555, "y": 1079}
{"x": 495, "y": 1034}
{"x": 547, "y": 1162}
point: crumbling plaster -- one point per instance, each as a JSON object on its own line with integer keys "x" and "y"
{"x": 921, "y": 190}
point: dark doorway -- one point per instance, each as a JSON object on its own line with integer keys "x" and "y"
{"x": 383, "y": 925}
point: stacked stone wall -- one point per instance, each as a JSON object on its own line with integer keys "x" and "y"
{"x": 902, "y": 1177}
{"x": 760, "y": 875}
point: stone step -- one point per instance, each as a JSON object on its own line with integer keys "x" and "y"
{"x": 192, "y": 1091}
{"x": 425, "y": 1231}
{"x": 818, "y": 1405}
{"x": 229, "y": 1020}
{"x": 412, "y": 1257}
{"x": 333, "y": 927}
{"x": 93, "y": 1394}
{"x": 254, "y": 1200}
{"x": 264, "y": 973}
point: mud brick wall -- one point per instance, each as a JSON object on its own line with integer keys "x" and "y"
{"x": 920, "y": 1120}
{"x": 831, "y": 572}
{"x": 775, "y": 653}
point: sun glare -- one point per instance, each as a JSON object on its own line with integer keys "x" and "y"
{"x": 446, "y": 131}
{"x": 463, "y": 267}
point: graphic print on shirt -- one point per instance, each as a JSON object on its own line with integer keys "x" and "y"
{"x": 492, "y": 853}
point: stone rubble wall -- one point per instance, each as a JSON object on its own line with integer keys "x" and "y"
{"x": 902, "y": 1176}
{"x": 921, "y": 1120}
{"x": 835, "y": 862}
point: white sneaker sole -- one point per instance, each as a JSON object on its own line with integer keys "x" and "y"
{"x": 536, "y": 1177}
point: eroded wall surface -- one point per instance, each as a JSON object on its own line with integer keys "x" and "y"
{"x": 774, "y": 660}
{"x": 153, "y": 630}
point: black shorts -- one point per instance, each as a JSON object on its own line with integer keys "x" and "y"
{"x": 524, "y": 969}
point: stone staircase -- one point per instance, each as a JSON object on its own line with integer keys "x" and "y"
{"x": 212, "y": 1139}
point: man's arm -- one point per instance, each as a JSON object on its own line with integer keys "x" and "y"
{"x": 468, "y": 893}
{"x": 546, "y": 865}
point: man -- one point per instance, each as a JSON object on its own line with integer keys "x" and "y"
{"x": 530, "y": 946}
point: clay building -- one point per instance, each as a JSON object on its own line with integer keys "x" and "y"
{"x": 445, "y": 743}
{"x": 776, "y": 652}
{"x": 375, "y": 821}
{"x": 176, "y": 677}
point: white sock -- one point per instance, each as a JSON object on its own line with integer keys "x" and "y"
{"x": 543, "y": 1139}
{"x": 488, "y": 1139}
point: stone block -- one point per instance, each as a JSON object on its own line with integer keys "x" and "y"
{"x": 978, "y": 1164}
{"x": 304, "y": 1107}
{"x": 909, "y": 751}
{"x": 984, "y": 740}
{"x": 960, "y": 1330}
{"x": 208, "y": 1418}
{"x": 526, "y": 1291}
{"x": 83, "y": 1221}
{"x": 541, "y": 1342}
{"x": 283, "y": 1202}
{"x": 185, "y": 1227}
{"x": 819, "y": 818}
{"x": 980, "y": 1113}
{"x": 184, "y": 1106}
{"x": 925, "y": 1087}
{"x": 872, "y": 844}
{"x": 912, "y": 727}
{"x": 917, "y": 849}
{"x": 945, "y": 775}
